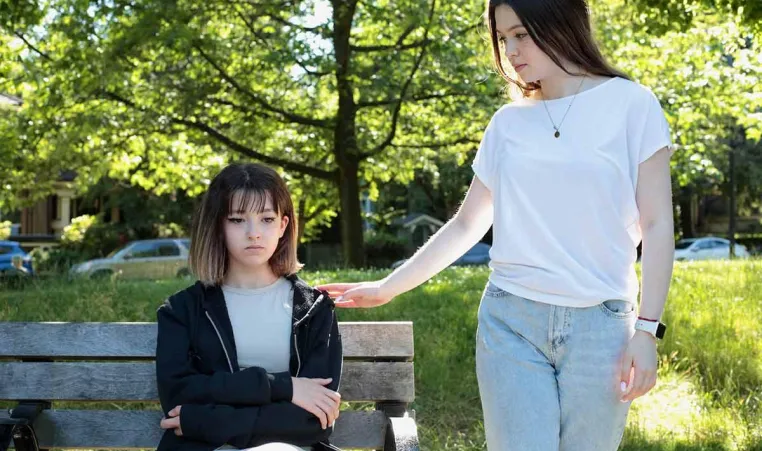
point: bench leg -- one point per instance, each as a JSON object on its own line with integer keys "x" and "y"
{"x": 401, "y": 434}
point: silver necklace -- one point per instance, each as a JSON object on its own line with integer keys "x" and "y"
{"x": 557, "y": 128}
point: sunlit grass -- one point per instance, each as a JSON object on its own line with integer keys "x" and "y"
{"x": 708, "y": 396}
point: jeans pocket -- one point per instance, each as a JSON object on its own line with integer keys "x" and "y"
{"x": 494, "y": 291}
{"x": 617, "y": 308}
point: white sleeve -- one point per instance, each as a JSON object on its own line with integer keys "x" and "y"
{"x": 654, "y": 134}
{"x": 484, "y": 162}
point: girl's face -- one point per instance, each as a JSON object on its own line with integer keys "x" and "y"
{"x": 530, "y": 63}
{"x": 252, "y": 237}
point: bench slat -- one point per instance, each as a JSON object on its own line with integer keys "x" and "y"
{"x": 88, "y": 381}
{"x": 136, "y": 341}
{"x": 125, "y": 429}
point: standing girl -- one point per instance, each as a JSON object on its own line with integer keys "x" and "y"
{"x": 571, "y": 176}
{"x": 250, "y": 355}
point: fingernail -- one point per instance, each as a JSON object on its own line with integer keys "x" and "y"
{"x": 623, "y": 387}
{"x": 340, "y": 298}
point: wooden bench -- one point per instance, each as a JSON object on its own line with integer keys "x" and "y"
{"x": 113, "y": 362}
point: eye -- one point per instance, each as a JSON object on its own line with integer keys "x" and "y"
{"x": 521, "y": 35}
{"x": 235, "y": 220}
{"x": 269, "y": 220}
{"x": 501, "y": 40}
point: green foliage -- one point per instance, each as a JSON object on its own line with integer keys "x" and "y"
{"x": 143, "y": 214}
{"x": 102, "y": 239}
{"x": 384, "y": 248}
{"x": 91, "y": 237}
{"x": 708, "y": 78}
{"x": 5, "y": 230}
{"x": 164, "y": 94}
{"x": 74, "y": 233}
{"x": 170, "y": 230}
{"x": 56, "y": 260}
{"x": 672, "y": 14}
{"x": 87, "y": 237}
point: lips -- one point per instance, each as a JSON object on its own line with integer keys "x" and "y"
{"x": 256, "y": 248}
{"x": 519, "y": 67}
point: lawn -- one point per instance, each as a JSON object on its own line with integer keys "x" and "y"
{"x": 709, "y": 394}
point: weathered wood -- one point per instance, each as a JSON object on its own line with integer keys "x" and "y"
{"x": 88, "y": 381}
{"x": 135, "y": 429}
{"x": 137, "y": 341}
{"x": 387, "y": 379}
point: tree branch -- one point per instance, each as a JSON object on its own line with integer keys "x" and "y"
{"x": 398, "y": 107}
{"x": 292, "y": 117}
{"x": 311, "y": 72}
{"x": 386, "y": 102}
{"x": 240, "y": 108}
{"x": 230, "y": 143}
{"x": 316, "y": 29}
{"x": 395, "y": 47}
{"x": 262, "y": 40}
{"x": 436, "y": 145}
{"x": 32, "y": 47}
{"x": 249, "y": 25}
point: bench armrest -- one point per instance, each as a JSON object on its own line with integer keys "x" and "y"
{"x": 401, "y": 435}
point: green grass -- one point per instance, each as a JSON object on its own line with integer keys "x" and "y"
{"x": 709, "y": 395}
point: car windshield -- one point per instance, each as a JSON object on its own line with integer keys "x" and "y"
{"x": 115, "y": 251}
{"x": 684, "y": 244}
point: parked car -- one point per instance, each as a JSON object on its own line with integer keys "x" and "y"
{"x": 142, "y": 259}
{"x": 9, "y": 250}
{"x": 477, "y": 255}
{"x": 707, "y": 248}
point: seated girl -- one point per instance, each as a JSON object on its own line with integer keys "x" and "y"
{"x": 250, "y": 355}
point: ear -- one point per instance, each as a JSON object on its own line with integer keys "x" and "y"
{"x": 283, "y": 224}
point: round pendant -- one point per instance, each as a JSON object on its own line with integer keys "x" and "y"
{"x": 557, "y": 134}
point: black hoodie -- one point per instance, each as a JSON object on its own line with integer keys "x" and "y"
{"x": 197, "y": 368}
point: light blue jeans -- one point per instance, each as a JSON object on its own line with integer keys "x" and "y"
{"x": 549, "y": 376}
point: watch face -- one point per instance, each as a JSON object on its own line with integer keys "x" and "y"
{"x": 660, "y": 331}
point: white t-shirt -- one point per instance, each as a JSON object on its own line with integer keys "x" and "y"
{"x": 262, "y": 320}
{"x": 566, "y": 225}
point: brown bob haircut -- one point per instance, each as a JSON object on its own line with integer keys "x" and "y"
{"x": 561, "y": 29}
{"x": 208, "y": 259}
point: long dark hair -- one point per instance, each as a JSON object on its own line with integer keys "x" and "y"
{"x": 561, "y": 29}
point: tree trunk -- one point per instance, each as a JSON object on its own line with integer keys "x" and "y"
{"x": 301, "y": 220}
{"x": 686, "y": 213}
{"x": 345, "y": 138}
{"x": 351, "y": 216}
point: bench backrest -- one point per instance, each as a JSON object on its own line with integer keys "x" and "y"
{"x": 113, "y": 362}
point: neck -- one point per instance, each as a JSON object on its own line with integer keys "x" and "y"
{"x": 250, "y": 277}
{"x": 561, "y": 85}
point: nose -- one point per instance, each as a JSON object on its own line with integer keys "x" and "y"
{"x": 511, "y": 49}
{"x": 252, "y": 231}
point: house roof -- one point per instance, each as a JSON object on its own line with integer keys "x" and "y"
{"x": 414, "y": 219}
